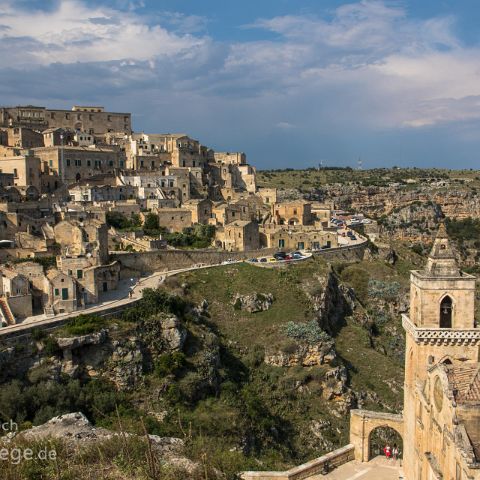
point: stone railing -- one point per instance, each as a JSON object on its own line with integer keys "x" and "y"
{"x": 320, "y": 465}
{"x": 441, "y": 336}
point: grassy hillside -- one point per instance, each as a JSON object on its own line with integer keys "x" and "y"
{"x": 305, "y": 180}
{"x": 233, "y": 410}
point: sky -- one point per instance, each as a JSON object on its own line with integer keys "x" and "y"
{"x": 291, "y": 83}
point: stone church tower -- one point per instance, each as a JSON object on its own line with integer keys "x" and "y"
{"x": 441, "y": 403}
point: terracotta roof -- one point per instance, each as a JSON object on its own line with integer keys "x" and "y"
{"x": 465, "y": 381}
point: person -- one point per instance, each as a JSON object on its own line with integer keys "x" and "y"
{"x": 395, "y": 451}
{"x": 387, "y": 451}
{"x": 130, "y": 292}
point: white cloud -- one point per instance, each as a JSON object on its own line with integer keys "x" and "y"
{"x": 75, "y": 32}
{"x": 368, "y": 65}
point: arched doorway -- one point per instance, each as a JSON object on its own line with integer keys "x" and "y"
{"x": 446, "y": 309}
{"x": 380, "y": 437}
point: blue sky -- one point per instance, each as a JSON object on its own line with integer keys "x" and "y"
{"x": 290, "y": 82}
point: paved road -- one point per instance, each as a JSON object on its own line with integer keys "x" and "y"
{"x": 120, "y": 296}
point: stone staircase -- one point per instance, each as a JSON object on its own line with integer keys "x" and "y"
{"x": 5, "y": 312}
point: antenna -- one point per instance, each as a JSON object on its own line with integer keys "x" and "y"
{"x": 359, "y": 163}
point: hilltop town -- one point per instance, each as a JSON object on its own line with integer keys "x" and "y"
{"x": 79, "y": 187}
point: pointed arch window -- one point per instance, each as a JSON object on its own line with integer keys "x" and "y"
{"x": 446, "y": 311}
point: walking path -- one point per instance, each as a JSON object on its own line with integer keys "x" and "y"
{"x": 378, "y": 468}
{"x": 112, "y": 299}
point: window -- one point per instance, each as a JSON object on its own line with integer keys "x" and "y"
{"x": 79, "y": 273}
{"x": 15, "y": 173}
{"x": 64, "y": 293}
{"x": 57, "y": 292}
{"x": 50, "y": 163}
{"x": 68, "y": 162}
{"x": 89, "y": 163}
{"x": 446, "y": 308}
{"x": 67, "y": 116}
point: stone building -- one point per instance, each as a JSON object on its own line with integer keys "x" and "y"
{"x": 62, "y": 292}
{"x": 229, "y": 158}
{"x": 201, "y": 210}
{"x": 442, "y": 371}
{"x": 299, "y": 238}
{"x": 174, "y": 219}
{"x": 21, "y": 137}
{"x": 25, "y": 168}
{"x": 440, "y": 425}
{"x": 92, "y": 119}
{"x": 71, "y": 163}
{"x": 238, "y": 236}
{"x": 88, "y": 238}
{"x": 292, "y": 213}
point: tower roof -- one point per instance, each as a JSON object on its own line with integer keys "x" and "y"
{"x": 441, "y": 261}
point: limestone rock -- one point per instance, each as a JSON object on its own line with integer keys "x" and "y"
{"x": 173, "y": 333}
{"x": 256, "y": 302}
{"x": 76, "y": 342}
{"x": 305, "y": 355}
{"x": 335, "y": 383}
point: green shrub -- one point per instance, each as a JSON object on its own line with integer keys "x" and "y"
{"x": 381, "y": 289}
{"x": 85, "y": 324}
{"x": 170, "y": 364}
{"x": 51, "y": 348}
{"x": 309, "y": 332}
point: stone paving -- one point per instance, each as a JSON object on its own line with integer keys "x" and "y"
{"x": 377, "y": 469}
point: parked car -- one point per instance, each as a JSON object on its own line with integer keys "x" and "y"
{"x": 254, "y": 260}
{"x": 326, "y": 246}
{"x": 279, "y": 255}
{"x": 297, "y": 256}
{"x": 271, "y": 259}
{"x": 263, "y": 260}
{"x": 353, "y": 237}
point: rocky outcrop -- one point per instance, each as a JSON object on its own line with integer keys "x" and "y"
{"x": 331, "y": 303}
{"x": 75, "y": 430}
{"x": 162, "y": 332}
{"x": 304, "y": 355}
{"x": 256, "y": 302}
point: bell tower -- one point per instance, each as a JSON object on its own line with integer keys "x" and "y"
{"x": 440, "y": 329}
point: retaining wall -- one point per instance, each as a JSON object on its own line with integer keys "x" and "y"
{"x": 138, "y": 263}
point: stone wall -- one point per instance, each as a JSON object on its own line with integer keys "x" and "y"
{"x": 314, "y": 467}
{"x": 137, "y": 263}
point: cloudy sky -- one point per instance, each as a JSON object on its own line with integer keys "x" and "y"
{"x": 290, "y": 82}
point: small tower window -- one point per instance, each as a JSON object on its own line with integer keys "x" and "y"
{"x": 446, "y": 313}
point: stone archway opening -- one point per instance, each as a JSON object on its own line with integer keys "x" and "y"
{"x": 382, "y": 436}
{"x": 364, "y": 423}
{"x": 446, "y": 307}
